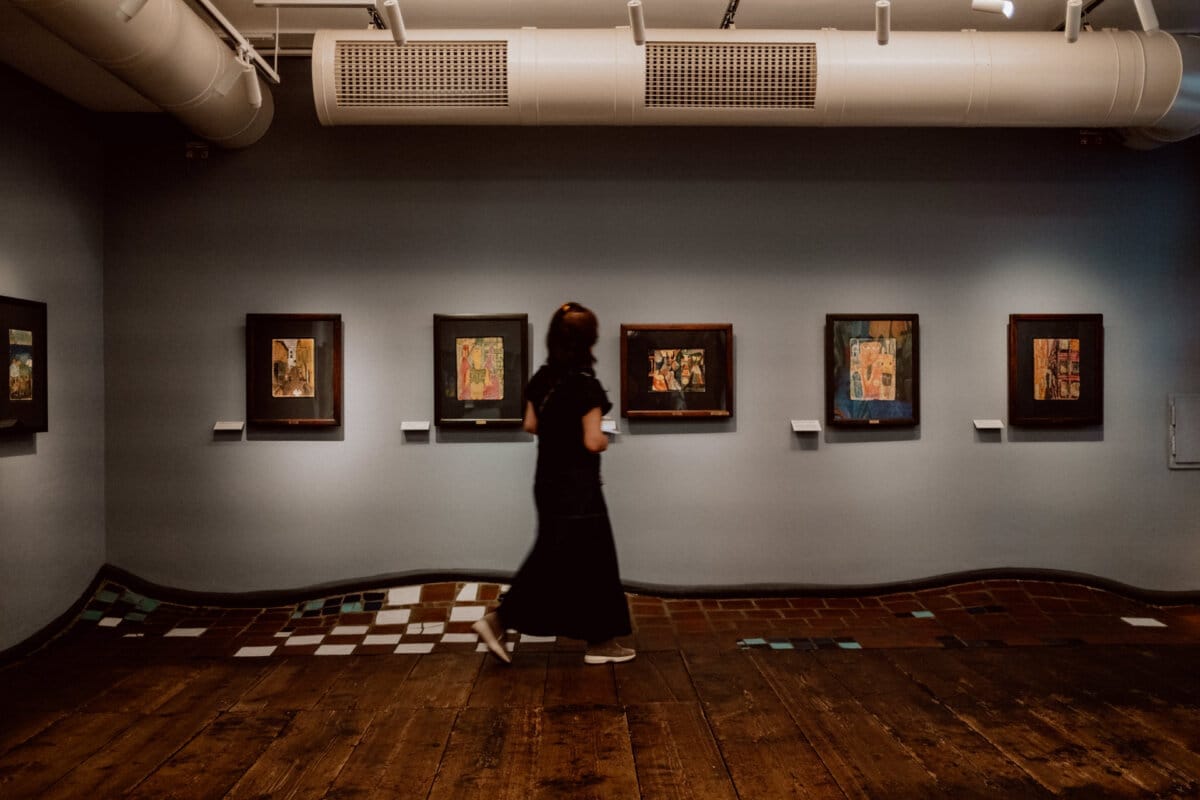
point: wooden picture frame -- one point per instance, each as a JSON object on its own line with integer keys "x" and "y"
{"x": 294, "y": 370}
{"x": 677, "y": 371}
{"x": 480, "y": 369}
{"x": 1055, "y": 370}
{"x": 23, "y": 402}
{"x": 872, "y": 370}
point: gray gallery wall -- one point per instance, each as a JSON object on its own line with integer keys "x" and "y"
{"x": 766, "y": 229}
{"x": 51, "y": 243}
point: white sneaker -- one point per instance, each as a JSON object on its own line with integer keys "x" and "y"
{"x": 608, "y": 653}
{"x": 489, "y": 631}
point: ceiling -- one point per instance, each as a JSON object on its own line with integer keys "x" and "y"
{"x": 27, "y": 47}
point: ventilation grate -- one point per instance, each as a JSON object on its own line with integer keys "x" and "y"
{"x": 734, "y": 75}
{"x": 421, "y": 74}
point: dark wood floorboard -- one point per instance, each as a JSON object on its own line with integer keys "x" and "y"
{"x": 702, "y": 721}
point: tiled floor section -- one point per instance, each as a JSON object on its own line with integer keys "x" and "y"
{"x": 438, "y": 616}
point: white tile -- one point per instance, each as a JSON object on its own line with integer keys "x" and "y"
{"x": 133, "y": 636}
{"x": 192, "y": 632}
{"x": 283, "y": 634}
{"x": 533, "y": 639}
{"x": 397, "y": 617}
{"x": 481, "y": 648}
{"x": 335, "y": 649}
{"x": 457, "y": 638}
{"x": 404, "y": 596}
{"x": 467, "y": 613}
{"x": 415, "y": 647}
{"x": 109, "y": 622}
{"x": 418, "y": 628}
{"x": 468, "y": 593}
{"x": 349, "y": 630}
{"x": 1144, "y": 622}
{"x": 382, "y": 638}
{"x": 294, "y": 641}
{"x": 255, "y": 652}
{"x": 504, "y": 587}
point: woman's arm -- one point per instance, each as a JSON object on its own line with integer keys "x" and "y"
{"x": 594, "y": 439}
{"x": 530, "y": 419}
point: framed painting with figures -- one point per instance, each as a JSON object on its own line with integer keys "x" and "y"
{"x": 871, "y": 370}
{"x": 23, "y": 406}
{"x": 480, "y": 368}
{"x": 677, "y": 371}
{"x": 1055, "y": 369}
{"x": 294, "y": 370}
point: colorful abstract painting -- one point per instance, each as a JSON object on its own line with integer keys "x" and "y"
{"x": 293, "y": 368}
{"x": 873, "y": 369}
{"x": 678, "y": 370}
{"x": 20, "y": 365}
{"x": 1056, "y": 369}
{"x": 480, "y": 367}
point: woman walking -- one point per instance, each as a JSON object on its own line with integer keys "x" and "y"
{"x": 569, "y": 584}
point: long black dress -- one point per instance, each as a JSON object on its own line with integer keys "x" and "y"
{"x": 569, "y": 584}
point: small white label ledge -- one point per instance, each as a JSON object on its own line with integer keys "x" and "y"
{"x": 609, "y": 426}
{"x": 989, "y": 424}
{"x": 415, "y": 425}
{"x": 229, "y": 425}
{"x": 806, "y": 426}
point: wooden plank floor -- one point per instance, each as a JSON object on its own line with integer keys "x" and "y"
{"x": 699, "y": 722}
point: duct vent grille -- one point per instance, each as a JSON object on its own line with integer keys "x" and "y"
{"x": 733, "y": 75}
{"x": 421, "y": 74}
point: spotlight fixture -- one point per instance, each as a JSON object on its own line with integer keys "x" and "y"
{"x": 883, "y": 21}
{"x": 1004, "y": 7}
{"x": 1146, "y": 15}
{"x": 1074, "y": 19}
{"x": 250, "y": 80}
{"x": 128, "y": 9}
{"x": 637, "y": 22}
{"x": 391, "y": 11}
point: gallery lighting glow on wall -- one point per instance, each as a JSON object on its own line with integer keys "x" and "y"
{"x": 391, "y": 11}
{"x": 1074, "y": 19}
{"x": 883, "y": 21}
{"x": 128, "y": 9}
{"x": 1004, "y": 7}
{"x": 637, "y": 22}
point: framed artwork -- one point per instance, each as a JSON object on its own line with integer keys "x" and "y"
{"x": 677, "y": 371}
{"x": 1055, "y": 369}
{"x": 480, "y": 368}
{"x": 23, "y": 407}
{"x": 294, "y": 370}
{"x": 871, "y": 370}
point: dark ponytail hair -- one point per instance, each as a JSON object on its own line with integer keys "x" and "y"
{"x": 573, "y": 331}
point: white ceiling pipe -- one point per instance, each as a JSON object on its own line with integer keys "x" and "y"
{"x": 1113, "y": 79}
{"x": 1074, "y": 20}
{"x": 167, "y": 54}
{"x": 883, "y": 21}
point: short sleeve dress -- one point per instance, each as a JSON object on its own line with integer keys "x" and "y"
{"x": 569, "y": 584}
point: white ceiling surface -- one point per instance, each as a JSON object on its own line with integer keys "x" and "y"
{"x": 28, "y": 47}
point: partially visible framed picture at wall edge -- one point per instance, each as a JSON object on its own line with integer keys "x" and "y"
{"x": 1055, "y": 369}
{"x": 871, "y": 370}
{"x": 23, "y": 407}
{"x": 677, "y": 371}
{"x": 294, "y": 370}
{"x": 480, "y": 368}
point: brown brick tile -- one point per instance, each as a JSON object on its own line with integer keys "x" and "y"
{"x": 439, "y": 592}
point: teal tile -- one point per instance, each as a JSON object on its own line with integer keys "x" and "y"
{"x": 147, "y": 605}
{"x": 754, "y": 642}
{"x": 134, "y": 616}
{"x": 351, "y": 608}
{"x": 91, "y": 616}
{"x": 298, "y": 615}
{"x": 314, "y": 605}
{"x": 849, "y": 645}
{"x": 782, "y": 646}
{"x": 922, "y": 614}
{"x": 132, "y": 597}
{"x": 107, "y": 596}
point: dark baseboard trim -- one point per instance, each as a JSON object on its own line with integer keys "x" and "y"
{"x": 288, "y": 597}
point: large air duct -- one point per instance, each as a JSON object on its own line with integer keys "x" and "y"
{"x": 1107, "y": 79}
{"x": 169, "y": 55}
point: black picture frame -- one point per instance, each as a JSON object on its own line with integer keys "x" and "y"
{"x": 473, "y": 394}
{"x": 303, "y": 390}
{"x": 677, "y": 371}
{"x": 1055, "y": 370}
{"x": 23, "y": 403}
{"x": 862, "y": 392}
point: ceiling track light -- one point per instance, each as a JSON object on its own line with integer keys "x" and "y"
{"x": 1004, "y": 7}
{"x": 128, "y": 9}
{"x": 883, "y": 21}
{"x": 637, "y": 22}
{"x": 1074, "y": 20}
{"x": 391, "y": 12}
